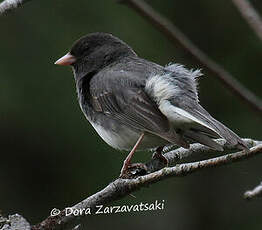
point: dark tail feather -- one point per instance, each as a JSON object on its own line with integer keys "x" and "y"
{"x": 230, "y": 136}
{"x": 222, "y": 130}
{"x": 203, "y": 139}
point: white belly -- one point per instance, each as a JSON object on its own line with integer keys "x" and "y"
{"x": 126, "y": 138}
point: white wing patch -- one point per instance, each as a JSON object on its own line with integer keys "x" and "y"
{"x": 159, "y": 87}
{"x": 163, "y": 88}
{"x": 190, "y": 75}
{"x": 181, "y": 70}
{"x": 179, "y": 117}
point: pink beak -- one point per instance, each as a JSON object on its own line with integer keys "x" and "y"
{"x": 68, "y": 59}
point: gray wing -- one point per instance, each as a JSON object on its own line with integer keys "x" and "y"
{"x": 124, "y": 100}
{"x": 177, "y": 98}
{"x": 130, "y": 107}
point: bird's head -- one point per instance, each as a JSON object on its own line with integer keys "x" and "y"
{"x": 93, "y": 52}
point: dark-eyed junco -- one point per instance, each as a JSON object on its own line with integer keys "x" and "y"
{"x": 136, "y": 104}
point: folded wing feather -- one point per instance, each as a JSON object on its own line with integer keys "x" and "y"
{"x": 176, "y": 95}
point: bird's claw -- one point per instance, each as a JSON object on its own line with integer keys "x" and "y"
{"x": 161, "y": 158}
{"x": 133, "y": 171}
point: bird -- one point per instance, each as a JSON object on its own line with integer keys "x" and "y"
{"x": 135, "y": 104}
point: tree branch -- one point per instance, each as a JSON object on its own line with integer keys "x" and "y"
{"x": 256, "y": 192}
{"x": 177, "y": 155}
{"x": 250, "y": 15}
{"x": 122, "y": 187}
{"x": 14, "y": 222}
{"x": 9, "y": 5}
{"x": 177, "y": 37}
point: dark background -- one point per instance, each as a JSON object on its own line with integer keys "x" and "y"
{"x": 50, "y": 155}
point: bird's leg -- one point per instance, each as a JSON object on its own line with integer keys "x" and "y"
{"x": 158, "y": 154}
{"x": 127, "y": 161}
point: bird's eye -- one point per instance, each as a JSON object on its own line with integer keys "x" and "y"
{"x": 80, "y": 49}
{"x": 84, "y": 51}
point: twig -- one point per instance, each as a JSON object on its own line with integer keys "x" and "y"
{"x": 250, "y": 15}
{"x": 122, "y": 187}
{"x": 9, "y": 5}
{"x": 177, "y": 37}
{"x": 256, "y": 192}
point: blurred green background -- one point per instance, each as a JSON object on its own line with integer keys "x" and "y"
{"x": 50, "y": 155}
